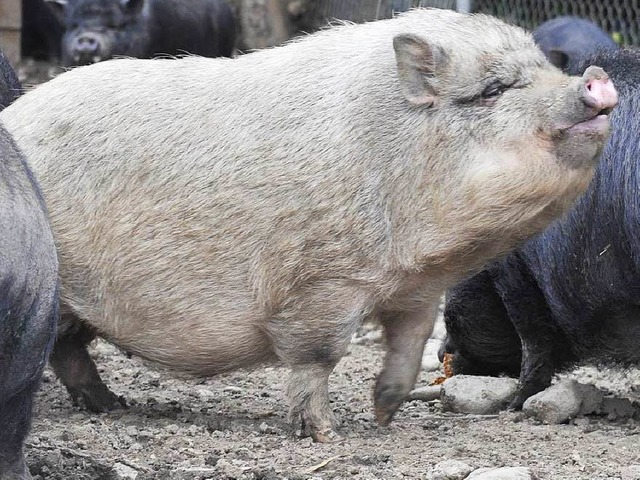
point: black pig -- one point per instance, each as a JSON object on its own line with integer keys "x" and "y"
{"x": 97, "y": 30}
{"x": 573, "y": 292}
{"x": 10, "y": 87}
{"x": 28, "y": 291}
{"x": 41, "y": 31}
{"x": 568, "y": 41}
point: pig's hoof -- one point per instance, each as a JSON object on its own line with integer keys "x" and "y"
{"x": 387, "y": 401}
{"x": 101, "y": 399}
{"x": 516, "y": 404}
{"x": 384, "y": 417}
{"x": 328, "y": 435}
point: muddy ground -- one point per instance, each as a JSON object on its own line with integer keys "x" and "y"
{"x": 235, "y": 427}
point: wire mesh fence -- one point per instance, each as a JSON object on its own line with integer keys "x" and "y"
{"x": 366, "y": 10}
{"x": 617, "y": 17}
{"x": 620, "y": 18}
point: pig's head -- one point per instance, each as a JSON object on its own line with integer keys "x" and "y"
{"x": 506, "y": 93}
{"x": 518, "y": 139}
{"x": 568, "y": 41}
{"x": 97, "y": 30}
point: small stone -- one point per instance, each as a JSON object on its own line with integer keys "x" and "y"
{"x": 631, "y": 472}
{"x": 580, "y": 422}
{"x": 124, "y": 472}
{"x": 563, "y": 401}
{"x": 592, "y": 398}
{"x": 504, "y": 473}
{"x": 266, "y": 428}
{"x": 230, "y": 469}
{"x": 617, "y": 408}
{"x": 450, "y": 470}
{"x": 477, "y": 395}
{"x": 432, "y": 347}
{"x": 426, "y": 394}
{"x": 173, "y": 428}
{"x": 430, "y": 363}
{"x": 439, "y": 329}
{"x": 369, "y": 338}
{"x": 232, "y": 389}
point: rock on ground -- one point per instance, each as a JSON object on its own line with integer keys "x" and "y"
{"x": 426, "y": 394}
{"x": 631, "y": 473}
{"x": 505, "y": 473}
{"x": 618, "y": 408}
{"x": 124, "y": 472}
{"x": 563, "y": 401}
{"x": 450, "y": 470}
{"x": 430, "y": 361}
{"x": 477, "y": 395}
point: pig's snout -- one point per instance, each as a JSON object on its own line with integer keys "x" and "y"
{"x": 589, "y": 112}
{"x": 86, "y": 47}
{"x": 598, "y": 93}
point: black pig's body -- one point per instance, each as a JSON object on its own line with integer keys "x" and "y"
{"x": 569, "y": 41}
{"x": 10, "y": 87}
{"x": 28, "y": 291}
{"x": 97, "y": 30}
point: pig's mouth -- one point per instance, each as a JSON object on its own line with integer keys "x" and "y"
{"x": 598, "y": 124}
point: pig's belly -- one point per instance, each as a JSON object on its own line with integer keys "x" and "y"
{"x": 202, "y": 349}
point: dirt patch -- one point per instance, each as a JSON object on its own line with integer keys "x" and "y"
{"x": 235, "y": 427}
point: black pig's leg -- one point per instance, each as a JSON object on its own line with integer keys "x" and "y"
{"x": 532, "y": 320}
{"x": 15, "y": 415}
{"x": 406, "y": 336}
{"x": 75, "y": 368}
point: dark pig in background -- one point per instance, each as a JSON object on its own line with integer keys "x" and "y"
{"x": 97, "y": 30}
{"x": 10, "y": 87}
{"x": 28, "y": 292}
{"x": 573, "y": 293}
{"x": 41, "y": 31}
{"x": 214, "y": 214}
{"x": 568, "y": 41}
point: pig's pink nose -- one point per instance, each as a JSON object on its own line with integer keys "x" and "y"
{"x": 600, "y": 94}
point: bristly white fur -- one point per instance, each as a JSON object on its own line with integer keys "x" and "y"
{"x": 212, "y": 213}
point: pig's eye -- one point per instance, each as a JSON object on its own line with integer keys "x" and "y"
{"x": 493, "y": 90}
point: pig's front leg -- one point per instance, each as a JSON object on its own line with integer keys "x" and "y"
{"x": 406, "y": 335}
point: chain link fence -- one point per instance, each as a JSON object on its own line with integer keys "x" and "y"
{"x": 269, "y": 22}
{"x": 617, "y": 17}
{"x": 620, "y": 18}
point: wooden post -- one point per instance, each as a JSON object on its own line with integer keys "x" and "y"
{"x": 10, "y": 27}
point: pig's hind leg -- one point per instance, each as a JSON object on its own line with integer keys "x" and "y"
{"x": 310, "y": 338}
{"x": 15, "y": 416}
{"x": 77, "y": 370}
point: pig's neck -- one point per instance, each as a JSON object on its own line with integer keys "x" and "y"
{"x": 455, "y": 224}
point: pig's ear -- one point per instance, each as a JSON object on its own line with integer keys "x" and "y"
{"x": 419, "y": 63}
{"x": 132, "y": 6}
{"x": 558, "y": 58}
{"x": 57, "y": 7}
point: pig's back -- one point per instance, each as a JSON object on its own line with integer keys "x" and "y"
{"x": 166, "y": 179}
{"x": 189, "y": 196}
